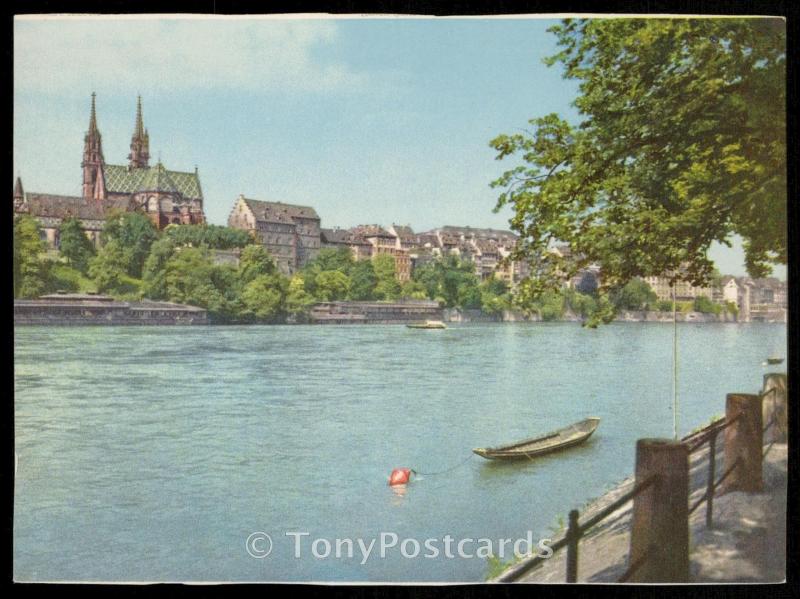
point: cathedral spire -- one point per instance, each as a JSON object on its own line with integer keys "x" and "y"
{"x": 93, "y": 118}
{"x": 140, "y": 142}
{"x": 139, "y": 132}
{"x": 93, "y": 163}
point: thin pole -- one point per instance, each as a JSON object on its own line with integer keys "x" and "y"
{"x": 674, "y": 364}
{"x": 573, "y": 536}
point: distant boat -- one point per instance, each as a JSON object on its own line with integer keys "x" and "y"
{"x": 774, "y": 360}
{"x": 428, "y": 324}
{"x": 536, "y": 446}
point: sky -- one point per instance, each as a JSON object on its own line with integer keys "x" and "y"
{"x": 367, "y": 120}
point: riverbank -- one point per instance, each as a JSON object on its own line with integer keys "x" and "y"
{"x": 463, "y": 316}
{"x": 747, "y": 542}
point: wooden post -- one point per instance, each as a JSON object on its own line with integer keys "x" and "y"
{"x": 743, "y": 442}
{"x": 573, "y": 538}
{"x": 661, "y": 512}
{"x": 775, "y": 406}
{"x": 712, "y": 477}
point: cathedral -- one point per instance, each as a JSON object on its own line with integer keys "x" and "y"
{"x": 166, "y": 197}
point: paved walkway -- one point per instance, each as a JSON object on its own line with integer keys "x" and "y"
{"x": 747, "y": 542}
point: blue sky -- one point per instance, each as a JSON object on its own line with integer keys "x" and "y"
{"x": 367, "y": 120}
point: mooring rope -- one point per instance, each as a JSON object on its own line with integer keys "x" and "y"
{"x": 461, "y": 463}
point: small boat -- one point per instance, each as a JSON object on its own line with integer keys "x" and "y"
{"x": 536, "y": 446}
{"x": 774, "y": 360}
{"x": 428, "y": 324}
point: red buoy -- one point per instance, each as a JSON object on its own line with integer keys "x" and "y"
{"x": 399, "y": 476}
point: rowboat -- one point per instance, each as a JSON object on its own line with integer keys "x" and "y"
{"x": 428, "y": 324}
{"x": 774, "y": 360}
{"x": 536, "y": 446}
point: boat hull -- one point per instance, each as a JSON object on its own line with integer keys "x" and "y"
{"x": 565, "y": 438}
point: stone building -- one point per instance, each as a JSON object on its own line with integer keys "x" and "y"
{"x": 383, "y": 242}
{"x": 684, "y": 290}
{"x": 290, "y": 233}
{"x": 165, "y": 196}
{"x": 338, "y": 238}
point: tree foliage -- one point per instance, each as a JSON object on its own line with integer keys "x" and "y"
{"x": 212, "y": 236}
{"x": 635, "y": 295}
{"x": 255, "y": 261}
{"x": 109, "y": 267}
{"x": 363, "y": 281}
{"x": 681, "y": 143}
{"x": 30, "y": 269}
{"x": 451, "y": 280}
{"x": 134, "y": 234}
{"x": 263, "y": 298}
{"x": 387, "y": 287}
{"x": 74, "y": 245}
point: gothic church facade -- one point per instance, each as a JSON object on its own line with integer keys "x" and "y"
{"x": 166, "y": 197}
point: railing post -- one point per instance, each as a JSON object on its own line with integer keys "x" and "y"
{"x": 574, "y": 537}
{"x": 774, "y": 394}
{"x": 712, "y": 466}
{"x": 661, "y": 512}
{"x": 743, "y": 442}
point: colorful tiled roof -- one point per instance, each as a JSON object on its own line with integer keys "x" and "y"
{"x": 122, "y": 179}
{"x": 278, "y": 211}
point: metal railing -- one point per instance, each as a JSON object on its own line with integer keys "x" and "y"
{"x": 571, "y": 539}
{"x": 709, "y": 435}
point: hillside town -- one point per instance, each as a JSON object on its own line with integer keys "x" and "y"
{"x": 293, "y": 234}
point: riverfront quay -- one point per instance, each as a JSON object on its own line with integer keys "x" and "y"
{"x": 746, "y": 543}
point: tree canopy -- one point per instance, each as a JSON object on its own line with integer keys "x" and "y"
{"x": 681, "y": 143}
{"x": 74, "y": 245}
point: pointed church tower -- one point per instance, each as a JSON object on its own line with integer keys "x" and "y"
{"x": 140, "y": 142}
{"x": 93, "y": 163}
{"x": 19, "y": 196}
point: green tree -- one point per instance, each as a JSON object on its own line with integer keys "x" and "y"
{"x": 108, "y": 269}
{"x": 263, "y": 298}
{"x": 74, "y": 245}
{"x": 340, "y": 259}
{"x": 706, "y": 306}
{"x": 387, "y": 286}
{"x": 212, "y": 236}
{"x": 450, "y": 279}
{"x": 332, "y": 285}
{"x": 255, "y": 261}
{"x": 298, "y": 300}
{"x": 680, "y": 143}
{"x": 550, "y": 305}
{"x": 635, "y": 295}
{"x": 414, "y": 290}
{"x": 363, "y": 281}
{"x": 154, "y": 271}
{"x": 192, "y": 278}
{"x": 135, "y": 234}
{"x": 30, "y": 269}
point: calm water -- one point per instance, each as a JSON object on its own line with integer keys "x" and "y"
{"x": 152, "y": 454}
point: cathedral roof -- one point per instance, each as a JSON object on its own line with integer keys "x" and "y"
{"x": 157, "y": 179}
{"x": 278, "y": 212}
{"x": 57, "y": 206}
{"x": 122, "y": 179}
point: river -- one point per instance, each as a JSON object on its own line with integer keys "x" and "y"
{"x": 153, "y": 454}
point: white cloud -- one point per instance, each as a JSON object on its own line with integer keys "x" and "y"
{"x": 62, "y": 55}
